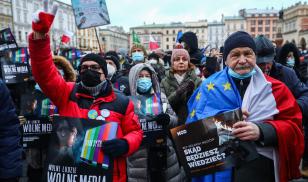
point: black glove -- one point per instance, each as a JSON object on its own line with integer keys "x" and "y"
{"x": 115, "y": 147}
{"x": 303, "y": 71}
{"x": 186, "y": 87}
{"x": 162, "y": 119}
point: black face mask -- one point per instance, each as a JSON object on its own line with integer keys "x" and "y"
{"x": 90, "y": 78}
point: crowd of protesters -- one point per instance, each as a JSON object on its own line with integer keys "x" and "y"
{"x": 272, "y": 89}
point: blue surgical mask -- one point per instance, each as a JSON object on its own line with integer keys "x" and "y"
{"x": 239, "y": 76}
{"x": 37, "y": 87}
{"x": 144, "y": 84}
{"x": 290, "y": 62}
{"x": 137, "y": 56}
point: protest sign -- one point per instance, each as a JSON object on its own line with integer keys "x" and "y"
{"x": 75, "y": 152}
{"x": 14, "y": 70}
{"x": 147, "y": 108}
{"x": 90, "y": 13}
{"x": 204, "y": 146}
{"x": 7, "y": 39}
{"x": 36, "y": 132}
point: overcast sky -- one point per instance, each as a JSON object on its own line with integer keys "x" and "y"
{"x": 129, "y": 13}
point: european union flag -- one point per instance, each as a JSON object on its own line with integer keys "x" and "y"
{"x": 217, "y": 94}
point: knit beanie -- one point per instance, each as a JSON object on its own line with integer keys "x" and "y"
{"x": 135, "y": 46}
{"x": 179, "y": 51}
{"x": 112, "y": 55}
{"x": 238, "y": 39}
{"x": 96, "y": 58}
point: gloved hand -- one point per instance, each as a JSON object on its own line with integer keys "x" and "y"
{"x": 186, "y": 88}
{"x": 162, "y": 119}
{"x": 22, "y": 120}
{"x": 115, "y": 147}
{"x": 303, "y": 71}
{"x": 42, "y": 20}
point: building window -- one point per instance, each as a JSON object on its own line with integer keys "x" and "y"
{"x": 167, "y": 47}
{"x": 18, "y": 15}
{"x": 173, "y": 31}
{"x": 253, "y": 22}
{"x": 173, "y": 39}
{"x": 274, "y": 29}
{"x": 267, "y": 35}
{"x": 26, "y": 36}
{"x": 234, "y": 26}
{"x": 267, "y": 22}
{"x": 25, "y": 4}
{"x": 19, "y": 36}
{"x": 167, "y": 39}
{"x": 167, "y": 32}
{"x": 260, "y": 29}
{"x": 242, "y": 26}
{"x": 202, "y": 30}
{"x": 228, "y": 27}
{"x": 267, "y": 29}
{"x": 260, "y": 22}
{"x": 252, "y": 29}
{"x": 25, "y": 16}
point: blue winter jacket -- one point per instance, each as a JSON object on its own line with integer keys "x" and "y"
{"x": 10, "y": 147}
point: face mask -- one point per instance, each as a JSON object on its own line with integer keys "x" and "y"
{"x": 239, "y": 76}
{"x": 111, "y": 70}
{"x": 153, "y": 61}
{"x": 90, "y": 78}
{"x": 137, "y": 56}
{"x": 61, "y": 72}
{"x": 290, "y": 62}
{"x": 197, "y": 71}
{"x": 144, "y": 84}
{"x": 37, "y": 87}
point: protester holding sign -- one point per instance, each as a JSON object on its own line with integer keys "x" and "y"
{"x": 10, "y": 148}
{"x": 39, "y": 108}
{"x": 271, "y": 134}
{"x": 152, "y": 162}
{"x": 91, "y": 98}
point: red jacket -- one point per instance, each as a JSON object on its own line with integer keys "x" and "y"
{"x": 67, "y": 97}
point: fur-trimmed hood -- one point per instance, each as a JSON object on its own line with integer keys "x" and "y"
{"x": 62, "y": 63}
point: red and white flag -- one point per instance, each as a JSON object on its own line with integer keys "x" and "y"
{"x": 66, "y": 37}
{"x": 153, "y": 44}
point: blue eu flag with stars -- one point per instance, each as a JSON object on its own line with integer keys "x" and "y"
{"x": 217, "y": 94}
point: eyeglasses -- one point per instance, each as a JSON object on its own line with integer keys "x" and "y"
{"x": 94, "y": 67}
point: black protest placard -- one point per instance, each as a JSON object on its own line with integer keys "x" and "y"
{"x": 205, "y": 146}
{"x": 75, "y": 153}
{"x": 147, "y": 108}
{"x": 36, "y": 132}
{"x": 14, "y": 72}
{"x": 7, "y": 39}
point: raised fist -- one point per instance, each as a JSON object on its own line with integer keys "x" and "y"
{"x": 42, "y": 20}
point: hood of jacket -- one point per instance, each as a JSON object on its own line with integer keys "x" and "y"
{"x": 134, "y": 75}
{"x": 69, "y": 72}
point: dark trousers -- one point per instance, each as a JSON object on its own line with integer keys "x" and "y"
{"x": 260, "y": 169}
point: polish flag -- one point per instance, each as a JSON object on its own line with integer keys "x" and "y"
{"x": 66, "y": 37}
{"x": 153, "y": 44}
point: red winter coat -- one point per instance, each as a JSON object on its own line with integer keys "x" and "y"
{"x": 70, "y": 101}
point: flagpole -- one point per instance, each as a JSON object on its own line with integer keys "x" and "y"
{"x": 99, "y": 45}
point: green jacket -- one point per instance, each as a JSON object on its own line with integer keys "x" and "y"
{"x": 169, "y": 85}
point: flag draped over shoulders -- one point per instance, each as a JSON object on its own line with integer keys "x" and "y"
{"x": 216, "y": 94}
